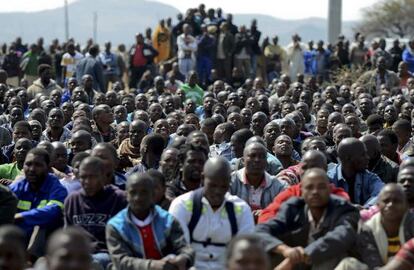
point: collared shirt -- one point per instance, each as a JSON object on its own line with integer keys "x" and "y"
{"x": 255, "y": 194}
{"x": 65, "y": 136}
{"x": 213, "y": 225}
{"x": 367, "y": 185}
{"x": 9, "y": 171}
{"x": 314, "y": 227}
{"x": 222, "y": 150}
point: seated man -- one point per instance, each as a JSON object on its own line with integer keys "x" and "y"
{"x": 386, "y": 169}
{"x": 40, "y": 194}
{"x": 317, "y": 229}
{"x": 252, "y": 183}
{"x": 382, "y": 236}
{"x": 191, "y": 162}
{"x": 311, "y": 159}
{"x": 214, "y": 217}
{"x": 9, "y": 171}
{"x": 93, "y": 206}
{"x": 60, "y": 159}
{"x": 352, "y": 175}
{"x": 129, "y": 149}
{"x": 151, "y": 149}
{"x": 144, "y": 236}
{"x": 169, "y": 164}
{"x": 107, "y": 152}
{"x": 221, "y": 145}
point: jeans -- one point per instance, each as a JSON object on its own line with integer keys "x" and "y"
{"x": 103, "y": 259}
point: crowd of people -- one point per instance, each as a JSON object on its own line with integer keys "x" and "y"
{"x": 207, "y": 147}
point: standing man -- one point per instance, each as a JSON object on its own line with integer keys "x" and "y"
{"x": 91, "y": 66}
{"x": 225, "y": 48}
{"x": 45, "y": 84}
{"x": 109, "y": 61}
{"x": 141, "y": 56}
{"x": 69, "y": 61}
{"x": 187, "y": 48}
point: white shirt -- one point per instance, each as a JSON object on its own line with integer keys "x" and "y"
{"x": 184, "y": 48}
{"x": 70, "y": 62}
{"x": 212, "y": 224}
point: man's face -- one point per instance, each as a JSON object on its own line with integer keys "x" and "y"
{"x": 287, "y": 128}
{"x": 193, "y": 166}
{"x": 390, "y": 114}
{"x": 56, "y": 97}
{"x": 169, "y": 104}
{"x": 55, "y": 119}
{"x": 252, "y": 104}
{"x": 141, "y": 102}
{"x": 236, "y": 120}
{"x": 315, "y": 191}
{"x": 16, "y": 115}
{"x": 246, "y": 116}
{"x": 128, "y": 103}
{"x": 21, "y": 132}
{"x": 60, "y": 158}
{"x": 387, "y": 148}
{"x": 35, "y": 168}
{"x": 120, "y": 114}
{"x": 255, "y": 160}
{"x": 155, "y": 112}
{"x": 21, "y": 149}
{"x": 122, "y": 132}
{"x": 79, "y": 144}
{"x": 140, "y": 196}
{"x": 258, "y": 123}
{"x": 233, "y": 99}
{"x": 70, "y": 256}
{"x": 365, "y": 106}
{"x": 91, "y": 180}
{"x": 391, "y": 204}
{"x": 169, "y": 163}
{"x": 162, "y": 128}
{"x": 136, "y": 133}
{"x": 406, "y": 180}
{"x": 341, "y": 134}
{"x": 283, "y": 146}
{"x": 215, "y": 187}
{"x": 271, "y": 132}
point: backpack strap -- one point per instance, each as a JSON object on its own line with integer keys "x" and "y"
{"x": 196, "y": 213}
{"x": 232, "y": 217}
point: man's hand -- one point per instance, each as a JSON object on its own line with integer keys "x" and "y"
{"x": 295, "y": 255}
{"x": 18, "y": 217}
{"x": 162, "y": 265}
{"x": 284, "y": 265}
{"x": 5, "y": 182}
{"x": 179, "y": 261}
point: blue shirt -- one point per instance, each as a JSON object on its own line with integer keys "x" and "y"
{"x": 367, "y": 185}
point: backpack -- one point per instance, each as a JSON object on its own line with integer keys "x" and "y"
{"x": 196, "y": 214}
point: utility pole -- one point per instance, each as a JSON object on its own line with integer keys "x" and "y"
{"x": 95, "y": 27}
{"x": 334, "y": 20}
{"x": 66, "y": 21}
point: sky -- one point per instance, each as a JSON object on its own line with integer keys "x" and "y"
{"x": 283, "y": 9}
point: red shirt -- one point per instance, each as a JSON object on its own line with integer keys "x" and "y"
{"x": 139, "y": 58}
{"x": 150, "y": 245}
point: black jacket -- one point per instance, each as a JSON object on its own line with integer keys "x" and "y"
{"x": 334, "y": 238}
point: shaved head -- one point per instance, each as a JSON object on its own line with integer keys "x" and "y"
{"x": 217, "y": 167}
{"x": 314, "y": 159}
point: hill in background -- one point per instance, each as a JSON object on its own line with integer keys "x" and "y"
{"x": 119, "y": 20}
